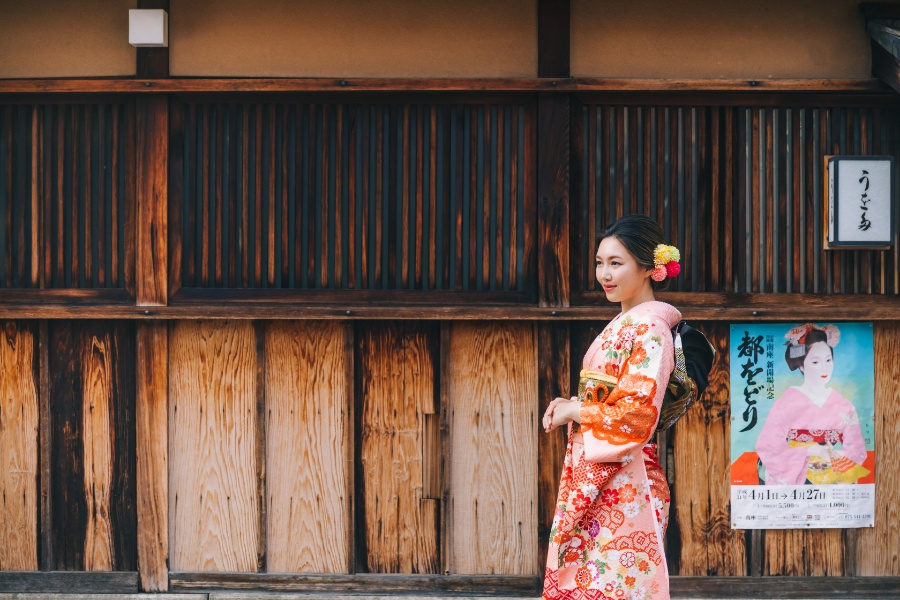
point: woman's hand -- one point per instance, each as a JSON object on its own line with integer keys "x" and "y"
{"x": 560, "y": 412}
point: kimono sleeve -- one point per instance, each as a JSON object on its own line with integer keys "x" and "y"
{"x": 854, "y": 447}
{"x": 784, "y": 465}
{"x": 616, "y": 428}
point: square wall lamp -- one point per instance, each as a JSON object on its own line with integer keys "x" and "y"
{"x": 148, "y": 28}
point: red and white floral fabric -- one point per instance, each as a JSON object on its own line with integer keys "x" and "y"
{"x": 613, "y": 503}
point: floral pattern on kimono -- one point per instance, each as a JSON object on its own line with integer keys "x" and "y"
{"x": 612, "y": 507}
{"x": 794, "y": 424}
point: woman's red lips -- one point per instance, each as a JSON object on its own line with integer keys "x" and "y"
{"x": 608, "y": 287}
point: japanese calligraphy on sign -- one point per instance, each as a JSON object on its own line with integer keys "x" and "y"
{"x": 802, "y": 426}
{"x": 860, "y": 202}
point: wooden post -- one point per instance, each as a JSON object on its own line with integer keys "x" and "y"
{"x": 553, "y": 340}
{"x": 152, "y": 387}
{"x": 151, "y": 288}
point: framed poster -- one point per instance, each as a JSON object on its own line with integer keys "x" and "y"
{"x": 802, "y": 425}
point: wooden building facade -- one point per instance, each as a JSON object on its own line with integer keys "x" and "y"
{"x": 286, "y": 319}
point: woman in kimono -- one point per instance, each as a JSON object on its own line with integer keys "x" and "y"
{"x": 812, "y": 433}
{"x": 613, "y": 503}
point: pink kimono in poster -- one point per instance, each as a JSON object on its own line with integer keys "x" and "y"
{"x": 802, "y": 426}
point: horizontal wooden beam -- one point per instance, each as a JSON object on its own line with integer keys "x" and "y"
{"x": 694, "y": 307}
{"x": 145, "y": 86}
{"x": 369, "y": 583}
{"x": 69, "y": 582}
{"x": 785, "y": 588}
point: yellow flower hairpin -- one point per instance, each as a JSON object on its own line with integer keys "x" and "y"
{"x": 665, "y": 261}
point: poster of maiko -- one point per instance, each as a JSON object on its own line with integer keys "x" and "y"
{"x": 802, "y": 426}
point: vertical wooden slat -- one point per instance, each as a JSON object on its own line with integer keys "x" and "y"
{"x": 19, "y": 443}
{"x": 403, "y": 197}
{"x": 271, "y": 200}
{"x": 493, "y": 429}
{"x": 152, "y": 469}
{"x": 89, "y": 224}
{"x": 245, "y": 207}
{"x": 152, "y": 144}
{"x": 213, "y": 523}
{"x": 877, "y": 547}
{"x": 127, "y": 195}
{"x": 216, "y": 184}
{"x": 178, "y": 162}
{"x": 308, "y": 407}
{"x": 553, "y": 205}
{"x": 35, "y": 224}
{"x": 396, "y": 371}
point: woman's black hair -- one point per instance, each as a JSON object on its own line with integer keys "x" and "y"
{"x": 812, "y": 336}
{"x": 640, "y": 235}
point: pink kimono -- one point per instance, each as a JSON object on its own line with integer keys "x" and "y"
{"x": 613, "y": 503}
{"x": 794, "y": 424}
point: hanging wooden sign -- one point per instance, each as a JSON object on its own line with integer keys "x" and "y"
{"x": 859, "y": 202}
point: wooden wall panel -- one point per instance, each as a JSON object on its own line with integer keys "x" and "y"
{"x": 65, "y": 208}
{"x": 878, "y": 548}
{"x": 701, "y": 506}
{"x": 213, "y": 511}
{"x": 18, "y": 446}
{"x": 493, "y": 400}
{"x": 308, "y": 375}
{"x": 397, "y": 382}
{"x": 92, "y": 387}
{"x": 752, "y": 175}
{"x": 415, "y": 196}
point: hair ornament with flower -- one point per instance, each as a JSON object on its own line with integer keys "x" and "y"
{"x": 665, "y": 262}
{"x": 796, "y": 338}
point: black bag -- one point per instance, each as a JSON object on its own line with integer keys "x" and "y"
{"x": 693, "y": 361}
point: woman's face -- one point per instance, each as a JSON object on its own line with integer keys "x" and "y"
{"x": 618, "y": 272}
{"x": 818, "y": 364}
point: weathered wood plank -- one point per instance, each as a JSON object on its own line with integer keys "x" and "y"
{"x": 97, "y": 446}
{"x": 700, "y": 502}
{"x": 487, "y": 585}
{"x": 397, "y": 371}
{"x": 18, "y": 447}
{"x": 784, "y": 588}
{"x": 554, "y": 375}
{"x": 213, "y": 523}
{"x": 726, "y": 551}
{"x": 152, "y": 468}
{"x": 878, "y": 548}
{"x": 62, "y": 582}
{"x": 93, "y": 452}
{"x": 690, "y": 495}
{"x": 45, "y": 511}
{"x": 308, "y": 399}
{"x": 493, "y": 440}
